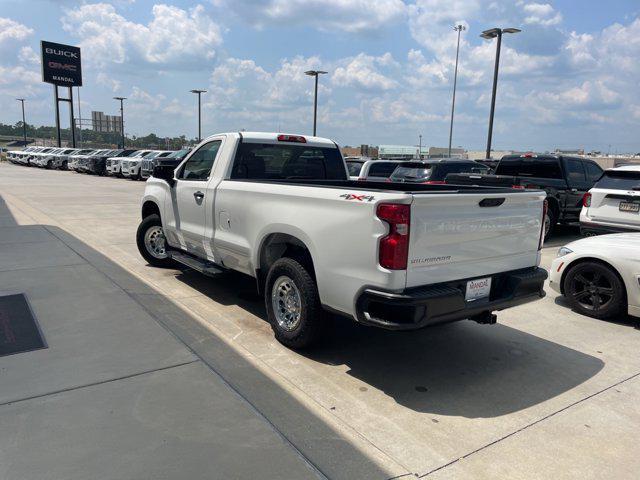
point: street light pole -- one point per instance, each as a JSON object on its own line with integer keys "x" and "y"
{"x": 489, "y": 34}
{"x": 24, "y": 123}
{"x": 199, "y": 92}
{"x": 315, "y": 73}
{"x": 420, "y": 147}
{"x": 122, "y": 99}
{"x": 459, "y": 29}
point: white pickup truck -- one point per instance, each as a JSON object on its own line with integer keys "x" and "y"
{"x": 281, "y": 208}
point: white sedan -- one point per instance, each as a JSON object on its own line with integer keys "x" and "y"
{"x": 600, "y": 276}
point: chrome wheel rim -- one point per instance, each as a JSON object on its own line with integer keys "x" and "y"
{"x": 286, "y": 302}
{"x": 154, "y": 242}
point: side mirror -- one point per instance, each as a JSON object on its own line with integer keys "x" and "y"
{"x": 164, "y": 172}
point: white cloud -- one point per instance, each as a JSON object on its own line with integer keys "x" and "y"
{"x": 173, "y": 37}
{"x": 363, "y": 71}
{"x": 108, "y": 81}
{"x": 326, "y": 15}
{"x": 542, "y": 14}
{"x": 12, "y": 30}
{"x": 28, "y": 56}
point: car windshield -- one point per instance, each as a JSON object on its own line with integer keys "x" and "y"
{"x": 179, "y": 153}
{"x": 412, "y": 173}
{"x": 151, "y": 155}
{"x": 619, "y": 180}
{"x": 354, "y": 168}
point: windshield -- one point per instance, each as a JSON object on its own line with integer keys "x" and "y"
{"x": 354, "y": 168}
{"x": 179, "y": 153}
{"x": 619, "y": 180}
{"x": 412, "y": 173}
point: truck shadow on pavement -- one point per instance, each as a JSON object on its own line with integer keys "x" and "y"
{"x": 458, "y": 369}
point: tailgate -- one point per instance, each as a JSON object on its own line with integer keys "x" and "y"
{"x": 453, "y": 237}
{"x": 615, "y": 206}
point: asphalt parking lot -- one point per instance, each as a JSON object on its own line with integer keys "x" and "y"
{"x": 545, "y": 393}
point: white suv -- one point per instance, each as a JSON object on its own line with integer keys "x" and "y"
{"x": 613, "y": 204}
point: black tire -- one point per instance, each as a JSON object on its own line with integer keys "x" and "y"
{"x": 64, "y": 166}
{"x": 594, "y": 289}
{"x": 551, "y": 220}
{"x": 151, "y": 222}
{"x": 308, "y": 328}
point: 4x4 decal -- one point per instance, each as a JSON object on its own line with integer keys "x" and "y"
{"x": 359, "y": 198}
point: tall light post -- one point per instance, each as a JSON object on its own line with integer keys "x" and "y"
{"x": 24, "y": 123}
{"x": 316, "y": 74}
{"x": 489, "y": 34}
{"x": 420, "y": 147}
{"x": 199, "y": 93}
{"x": 121, "y": 99}
{"x": 459, "y": 29}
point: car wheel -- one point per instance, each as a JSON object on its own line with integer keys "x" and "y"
{"x": 550, "y": 222}
{"x": 293, "y": 305}
{"x": 64, "y": 166}
{"x": 594, "y": 289}
{"x": 151, "y": 242}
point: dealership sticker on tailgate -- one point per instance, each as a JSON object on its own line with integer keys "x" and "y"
{"x": 477, "y": 289}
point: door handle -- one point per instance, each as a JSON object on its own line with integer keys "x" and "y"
{"x": 198, "y": 195}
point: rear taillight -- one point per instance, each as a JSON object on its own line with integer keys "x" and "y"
{"x": 586, "y": 200}
{"x": 394, "y": 247}
{"x": 518, "y": 187}
{"x": 545, "y": 207}
{"x": 435, "y": 182}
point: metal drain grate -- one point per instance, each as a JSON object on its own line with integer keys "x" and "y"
{"x": 19, "y": 330}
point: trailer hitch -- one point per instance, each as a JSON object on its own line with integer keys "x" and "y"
{"x": 485, "y": 318}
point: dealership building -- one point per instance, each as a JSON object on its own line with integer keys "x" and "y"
{"x": 400, "y": 152}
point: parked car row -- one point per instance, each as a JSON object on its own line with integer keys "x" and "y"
{"x": 130, "y": 163}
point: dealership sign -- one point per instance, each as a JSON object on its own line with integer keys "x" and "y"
{"x": 61, "y": 64}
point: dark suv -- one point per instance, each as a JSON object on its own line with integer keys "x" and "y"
{"x": 565, "y": 179}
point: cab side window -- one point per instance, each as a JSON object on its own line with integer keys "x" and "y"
{"x": 575, "y": 171}
{"x": 594, "y": 172}
{"x": 199, "y": 165}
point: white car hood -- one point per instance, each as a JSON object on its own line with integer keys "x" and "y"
{"x": 604, "y": 243}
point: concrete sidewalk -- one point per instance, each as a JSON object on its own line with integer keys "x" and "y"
{"x": 115, "y": 395}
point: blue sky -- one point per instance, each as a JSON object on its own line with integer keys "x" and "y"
{"x": 570, "y": 79}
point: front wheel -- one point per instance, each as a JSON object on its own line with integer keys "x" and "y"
{"x": 293, "y": 305}
{"x": 594, "y": 289}
{"x": 151, "y": 242}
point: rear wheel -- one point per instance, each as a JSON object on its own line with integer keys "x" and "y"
{"x": 293, "y": 305}
{"x": 594, "y": 289}
{"x": 550, "y": 221}
{"x": 151, "y": 242}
